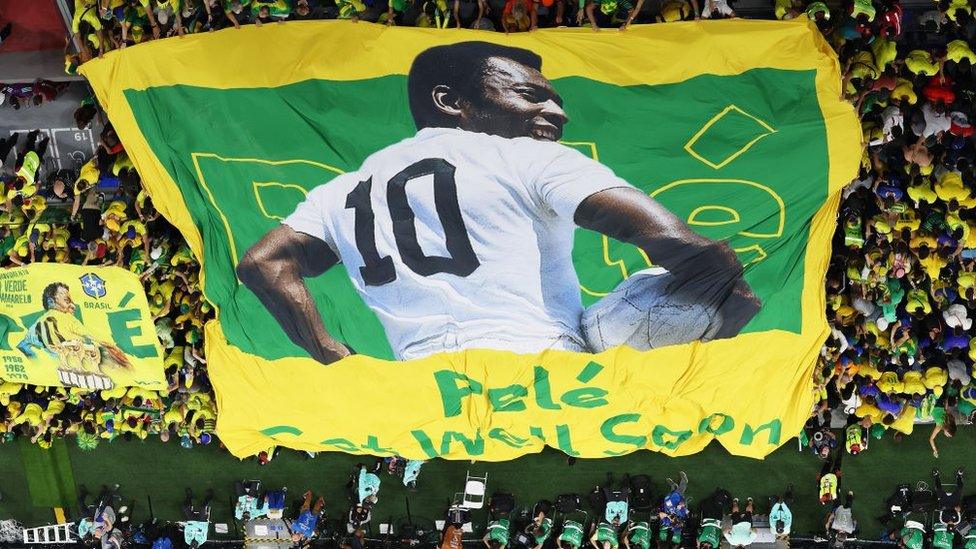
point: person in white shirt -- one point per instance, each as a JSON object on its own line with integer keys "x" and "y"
{"x": 934, "y": 120}
{"x": 955, "y": 315}
{"x": 891, "y": 118}
{"x": 461, "y": 236}
{"x": 958, "y": 371}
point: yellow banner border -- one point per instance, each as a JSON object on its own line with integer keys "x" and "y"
{"x": 708, "y": 47}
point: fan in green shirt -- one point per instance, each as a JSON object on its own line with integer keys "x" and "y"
{"x": 605, "y": 536}
{"x": 912, "y": 535}
{"x": 638, "y": 534}
{"x": 571, "y": 536}
{"x": 942, "y": 537}
{"x": 970, "y": 540}
{"x": 709, "y": 534}
{"x": 539, "y": 529}
{"x": 496, "y": 535}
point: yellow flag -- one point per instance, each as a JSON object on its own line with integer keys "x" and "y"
{"x": 77, "y": 326}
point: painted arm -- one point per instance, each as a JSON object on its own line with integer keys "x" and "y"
{"x": 275, "y": 269}
{"x": 696, "y": 262}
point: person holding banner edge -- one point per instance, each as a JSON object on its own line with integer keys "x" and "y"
{"x": 506, "y": 196}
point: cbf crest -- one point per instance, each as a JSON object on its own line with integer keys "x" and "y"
{"x": 93, "y": 285}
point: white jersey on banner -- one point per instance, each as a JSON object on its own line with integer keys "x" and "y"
{"x": 460, "y": 240}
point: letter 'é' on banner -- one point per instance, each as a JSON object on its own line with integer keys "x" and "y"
{"x": 77, "y": 326}
{"x": 467, "y": 245}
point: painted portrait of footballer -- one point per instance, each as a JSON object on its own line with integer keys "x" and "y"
{"x": 461, "y": 236}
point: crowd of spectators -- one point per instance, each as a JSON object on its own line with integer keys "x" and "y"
{"x": 103, "y": 25}
{"x": 902, "y": 281}
{"x": 100, "y": 215}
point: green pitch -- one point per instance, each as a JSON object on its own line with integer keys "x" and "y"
{"x": 33, "y": 480}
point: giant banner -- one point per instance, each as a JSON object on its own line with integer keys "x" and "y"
{"x": 77, "y": 326}
{"x": 470, "y": 245}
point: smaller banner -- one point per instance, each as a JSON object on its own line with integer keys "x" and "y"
{"x": 77, "y": 326}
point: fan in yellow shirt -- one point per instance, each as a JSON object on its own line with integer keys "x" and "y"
{"x": 920, "y": 62}
{"x": 950, "y": 186}
{"x": 966, "y": 280}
